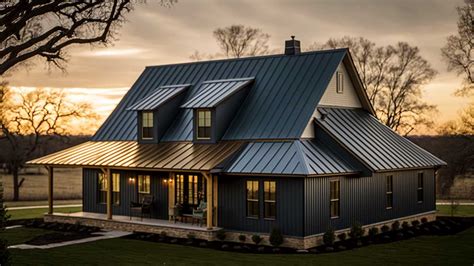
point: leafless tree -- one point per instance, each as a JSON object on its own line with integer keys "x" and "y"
{"x": 44, "y": 28}
{"x": 464, "y": 125}
{"x": 459, "y": 49}
{"x": 393, "y": 77}
{"x": 237, "y": 41}
{"x": 29, "y": 119}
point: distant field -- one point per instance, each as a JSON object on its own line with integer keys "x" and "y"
{"x": 462, "y": 210}
{"x": 38, "y": 213}
{"x": 67, "y": 184}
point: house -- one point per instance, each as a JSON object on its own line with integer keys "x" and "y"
{"x": 288, "y": 141}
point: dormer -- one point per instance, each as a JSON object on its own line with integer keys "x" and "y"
{"x": 215, "y": 105}
{"x": 156, "y": 112}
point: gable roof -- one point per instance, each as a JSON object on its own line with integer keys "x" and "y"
{"x": 279, "y": 105}
{"x": 299, "y": 157}
{"x": 213, "y": 92}
{"x": 373, "y": 143}
{"x": 158, "y": 97}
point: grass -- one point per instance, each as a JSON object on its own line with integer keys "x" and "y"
{"x": 23, "y": 203}
{"x": 38, "y": 213}
{"x": 425, "y": 250}
{"x": 21, "y": 235}
{"x": 462, "y": 210}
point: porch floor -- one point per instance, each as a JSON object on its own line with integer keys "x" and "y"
{"x": 137, "y": 221}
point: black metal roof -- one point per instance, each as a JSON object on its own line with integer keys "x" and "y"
{"x": 158, "y": 97}
{"x": 373, "y": 143}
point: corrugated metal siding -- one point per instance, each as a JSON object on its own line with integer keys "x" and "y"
{"x": 232, "y": 206}
{"x": 158, "y": 97}
{"x": 181, "y": 156}
{"x": 212, "y": 93}
{"x": 128, "y": 193}
{"x": 286, "y": 91}
{"x": 373, "y": 143}
{"x": 363, "y": 200}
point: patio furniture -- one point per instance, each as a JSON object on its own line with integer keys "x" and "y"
{"x": 175, "y": 212}
{"x": 200, "y": 213}
{"x": 143, "y": 207}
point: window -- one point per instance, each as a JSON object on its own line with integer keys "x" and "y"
{"x": 204, "y": 124}
{"x": 116, "y": 188}
{"x": 143, "y": 186}
{"x": 147, "y": 125}
{"x": 193, "y": 189}
{"x": 339, "y": 82}
{"x": 252, "y": 199}
{"x": 389, "y": 192}
{"x": 103, "y": 187}
{"x": 269, "y": 188}
{"x": 419, "y": 190}
{"x": 335, "y": 196}
{"x": 180, "y": 189}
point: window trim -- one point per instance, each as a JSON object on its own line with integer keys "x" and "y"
{"x": 138, "y": 185}
{"x": 337, "y": 200}
{"x": 418, "y": 188}
{"x": 252, "y": 200}
{"x": 265, "y": 200}
{"x": 100, "y": 189}
{"x": 143, "y": 126}
{"x": 339, "y": 82}
{"x": 197, "y": 124}
{"x": 389, "y": 192}
{"x": 116, "y": 193}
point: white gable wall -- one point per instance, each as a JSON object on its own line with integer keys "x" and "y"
{"x": 330, "y": 97}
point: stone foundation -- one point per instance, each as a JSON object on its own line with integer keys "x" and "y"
{"x": 210, "y": 235}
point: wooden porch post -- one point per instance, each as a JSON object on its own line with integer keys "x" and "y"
{"x": 108, "y": 177}
{"x": 171, "y": 196}
{"x": 214, "y": 198}
{"x": 209, "y": 200}
{"x": 50, "y": 189}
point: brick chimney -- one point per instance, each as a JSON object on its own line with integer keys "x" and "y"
{"x": 292, "y": 47}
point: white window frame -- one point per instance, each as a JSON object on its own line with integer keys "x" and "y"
{"x": 147, "y": 118}
{"x": 339, "y": 82}
{"x": 204, "y": 121}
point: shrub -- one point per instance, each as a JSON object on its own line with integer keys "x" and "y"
{"x": 424, "y": 220}
{"x": 329, "y": 237}
{"x": 385, "y": 228}
{"x": 415, "y": 223}
{"x": 373, "y": 232}
{"x": 221, "y": 235}
{"x": 256, "y": 239}
{"x": 405, "y": 225}
{"x": 396, "y": 226}
{"x": 276, "y": 238}
{"x": 242, "y": 238}
{"x": 356, "y": 231}
{"x": 191, "y": 236}
{"x": 163, "y": 234}
{"x": 342, "y": 236}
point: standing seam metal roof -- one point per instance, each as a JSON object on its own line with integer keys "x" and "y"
{"x": 214, "y": 92}
{"x": 376, "y": 145}
{"x": 281, "y": 102}
{"x": 158, "y": 97}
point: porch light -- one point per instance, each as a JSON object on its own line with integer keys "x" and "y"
{"x": 168, "y": 180}
{"x": 131, "y": 180}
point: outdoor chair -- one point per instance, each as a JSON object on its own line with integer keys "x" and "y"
{"x": 200, "y": 213}
{"x": 175, "y": 212}
{"x": 143, "y": 207}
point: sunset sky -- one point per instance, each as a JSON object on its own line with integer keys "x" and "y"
{"x": 156, "y": 35}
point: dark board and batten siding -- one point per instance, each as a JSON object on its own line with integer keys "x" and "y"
{"x": 232, "y": 208}
{"x": 362, "y": 199}
{"x": 128, "y": 193}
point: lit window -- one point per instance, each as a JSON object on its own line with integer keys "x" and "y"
{"x": 269, "y": 188}
{"x": 143, "y": 186}
{"x": 116, "y": 188}
{"x": 340, "y": 82}
{"x": 419, "y": 190}
{"x": 103, "y": 187}
{"x": 334, "y": 196}
{"x": 389, "y": 192}
{"x": 180, "y": 189}
{"x": 147, "y": 125}
{"x": 252, "y": 199}
{"x": 204, "y": 124}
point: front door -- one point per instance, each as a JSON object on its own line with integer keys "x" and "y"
{"x": 190, "y": 189}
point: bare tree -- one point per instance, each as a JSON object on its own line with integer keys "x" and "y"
{"x": 393, "y": 77}
{"x": 43, "y": 29}
{"x": 459, "y": 49}
{"x": 29, "y": 120}
{"x": 238, "y": 41}
{"x": 464, "y": 125}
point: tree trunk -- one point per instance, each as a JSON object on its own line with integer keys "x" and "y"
{"x": 16, "y": 185}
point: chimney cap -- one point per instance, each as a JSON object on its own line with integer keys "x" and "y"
{"x": 292, "y": 37}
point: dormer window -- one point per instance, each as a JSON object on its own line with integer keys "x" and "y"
{"x": 203, "y": 124}
{"x": 147, "y": 125}
{"x": 340, "y": 82}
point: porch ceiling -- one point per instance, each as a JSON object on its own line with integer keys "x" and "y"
{"x": 130, "y": 154}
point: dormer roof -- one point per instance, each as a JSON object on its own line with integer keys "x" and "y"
{"x": 159, "y": 97}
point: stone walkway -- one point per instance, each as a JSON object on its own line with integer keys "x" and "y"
{"x": 100, "y": 236}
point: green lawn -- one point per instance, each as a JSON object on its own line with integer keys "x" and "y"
{"x": 21, "y": 235}
{"x": 462, "y": 210}
{"x": 38, "y": 213}
{"x": 426, "y": 250}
